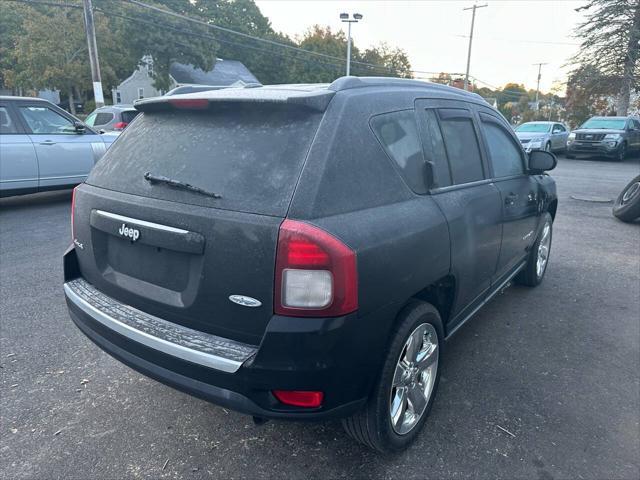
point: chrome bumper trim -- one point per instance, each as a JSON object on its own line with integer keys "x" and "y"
{"x": 167, "y": 337}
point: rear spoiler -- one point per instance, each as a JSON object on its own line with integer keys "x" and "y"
{"x": 316, "y": 100}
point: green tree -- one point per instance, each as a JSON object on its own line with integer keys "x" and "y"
{"x": 165, "y": 38}
{"x": 611, "y": 44}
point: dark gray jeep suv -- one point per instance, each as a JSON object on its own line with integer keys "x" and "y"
{"x": 303, "y": 251}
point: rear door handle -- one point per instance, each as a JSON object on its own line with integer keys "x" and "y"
{"x": 48, "y": 142}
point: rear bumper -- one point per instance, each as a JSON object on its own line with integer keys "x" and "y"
{"x": 338, "y": 356}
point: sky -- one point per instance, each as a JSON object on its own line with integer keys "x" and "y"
{"x": 509, "y": 36}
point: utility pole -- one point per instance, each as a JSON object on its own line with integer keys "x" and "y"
{"x": 93, "y": 53}
{"x": 473, "y": 21}
{"x": 344, "y": 17}
{"x": 538, "y": 86}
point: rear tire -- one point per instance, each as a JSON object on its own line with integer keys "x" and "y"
{"x": 538, "y": 259}
{"x": 375, "y": 426}
{"x": 627, "y": 205}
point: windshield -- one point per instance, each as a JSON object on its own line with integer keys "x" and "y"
{"x": 605, "y": 123}
{"x": 534, "y": 128}
{"x": 250, "y": 155}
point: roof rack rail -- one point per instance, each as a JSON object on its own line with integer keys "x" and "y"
{"x": 347, "y": 83}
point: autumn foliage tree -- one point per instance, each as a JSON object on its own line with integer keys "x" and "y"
{"x": 610, "y": 37}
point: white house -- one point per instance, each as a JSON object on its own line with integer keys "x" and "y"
{"x": 140, "y": 83}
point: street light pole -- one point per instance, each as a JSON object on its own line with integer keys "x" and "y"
{"x": 473, "y": 21}
{"x": 345, "y": 19}
{"x": 93, "y": 53}
{"x": 538, "y": 85}
{"x": 349, "y": 50}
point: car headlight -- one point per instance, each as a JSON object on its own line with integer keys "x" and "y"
{"x": 612, "y": 136}
{"x": 571, "y": 137}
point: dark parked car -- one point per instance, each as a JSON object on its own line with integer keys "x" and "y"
{"x": 609, "y": 136}
{"x": 304, "y": 251}
{"x": 112, "y": 117}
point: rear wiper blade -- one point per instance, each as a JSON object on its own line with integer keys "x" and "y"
{"x": 149, "y": 177}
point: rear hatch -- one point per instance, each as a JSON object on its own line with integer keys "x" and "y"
{"x": 181, "y": 252}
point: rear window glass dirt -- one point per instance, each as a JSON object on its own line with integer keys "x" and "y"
{"x": 251, "y": 155}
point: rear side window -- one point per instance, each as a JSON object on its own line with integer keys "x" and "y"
{"x": 99, "y": 118}
{"x": 461, "y": 144}
{"x": 438, "y": 166}
{"x": 505, "y": 156}
{"x": 7, "y": 125}
{"x": 128, "y": 115}
{"x": 251, "y": 155}
{"x": 398, "y": 134}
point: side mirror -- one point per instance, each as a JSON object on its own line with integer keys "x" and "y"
{"x": 79, "y": 127}
{"x": 541, "y": 161}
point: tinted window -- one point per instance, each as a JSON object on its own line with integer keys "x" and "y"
{"x": 43, "y": 120}
{"x": 438, "y": 166}
{"x": 7, "y": 125}
{"x": 462, "y": 145}
{"x": 505, "y": 156}
{"x": 398, "y": 134}
{"x": 129, "y": 115}
{"x": 251, "y": 156}
{"x": 103, "y": 118}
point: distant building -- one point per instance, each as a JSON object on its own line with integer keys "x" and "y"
{"x": 140, "y": 83}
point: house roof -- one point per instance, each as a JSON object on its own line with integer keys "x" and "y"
{"x": 224, "y": 72}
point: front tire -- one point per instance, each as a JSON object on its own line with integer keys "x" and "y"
{"x": 538, "y": 259}
{"x": 404, "y": 394}
{"x": 622, "y": 152}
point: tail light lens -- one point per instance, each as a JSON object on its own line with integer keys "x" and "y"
{"x": 299, "y": 398}
{"x": 315, "y": 273}
{"x": 73, "y": 208}
{"x": 120, "y": 125}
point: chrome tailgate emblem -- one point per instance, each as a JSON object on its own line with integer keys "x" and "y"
{"x": 245, "y": 301}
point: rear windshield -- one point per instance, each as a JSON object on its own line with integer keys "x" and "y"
{"x": 249, "y": 154}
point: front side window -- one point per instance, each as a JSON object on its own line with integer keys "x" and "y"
{"x": 43, "y": 120}
{"x": 7, "y": 125}
{"x": 398, "y": 134}
{"x": 505, "y": 156}
{"x": 557, "y": 128}
{"x": 435, "y": 151}
{"x": 461, "y": 144}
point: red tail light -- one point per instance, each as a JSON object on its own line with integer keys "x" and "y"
{"x": 73, "y": 207}
{"x": 190, "y": 103}
{"x": 299, "y": 398}
{"x": 315, "y": 273}
{"x": 120, "y": 125}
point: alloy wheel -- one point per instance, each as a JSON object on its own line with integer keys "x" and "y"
{"x": 414, "y": 379}
{"x": 543, "y": 250}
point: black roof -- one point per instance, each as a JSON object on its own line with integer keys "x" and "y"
{"x": 315, "y": 96}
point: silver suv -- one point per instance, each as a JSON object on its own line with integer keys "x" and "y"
{"x": 111, "y": 118}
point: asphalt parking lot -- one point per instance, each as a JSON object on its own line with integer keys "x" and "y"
{"x": 543, "y": 383}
